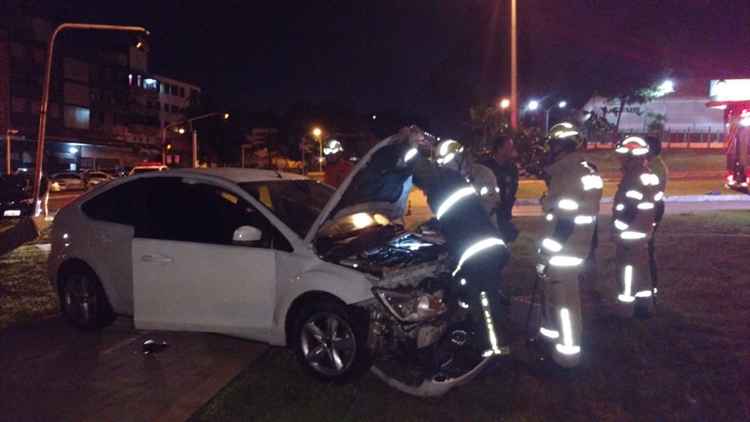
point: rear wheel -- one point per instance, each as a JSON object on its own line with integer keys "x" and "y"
{"x": 330, "y": 341}
{"x": 84, "y": 302}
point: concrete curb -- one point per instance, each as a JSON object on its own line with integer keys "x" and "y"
{"x": 668, "y": 199}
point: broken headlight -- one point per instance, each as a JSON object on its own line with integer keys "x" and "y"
{"x": 411, "y": 307}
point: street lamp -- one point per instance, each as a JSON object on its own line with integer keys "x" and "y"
{"x": 45, "y": 90}
{"x": 189, "y": 122}
{"x": 317, "y": 133}
{"x": 8, "y": 132}
{"x": 504, "y": 103}
{"x": 533, "y": 105}
{"x": 562, "y": 104}
{"x": 666, "y": 87}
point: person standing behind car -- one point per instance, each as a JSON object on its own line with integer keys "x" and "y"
{"x": 502, "y": 163}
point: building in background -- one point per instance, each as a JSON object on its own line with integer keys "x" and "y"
{"x": 175, "y": 97}
{"x": 105, "y": 107}
{"x": 684, "y": 111}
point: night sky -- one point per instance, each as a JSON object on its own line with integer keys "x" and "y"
{"x": 432, "y": 57}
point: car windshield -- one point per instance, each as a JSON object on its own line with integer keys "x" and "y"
{"x": 297, "y": 203}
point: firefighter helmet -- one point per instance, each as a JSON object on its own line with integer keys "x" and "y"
{"x": 633, "y": 146}
{"x": 449, "y": 153}
{"x": 333, "y": 146}
{"x": 563, "y": 137}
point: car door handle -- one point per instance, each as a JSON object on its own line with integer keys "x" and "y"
{"x": 159, "y": 259}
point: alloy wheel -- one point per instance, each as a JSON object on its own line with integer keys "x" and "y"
{"x": 328, "y": 343}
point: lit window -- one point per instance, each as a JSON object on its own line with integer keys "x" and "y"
{"x": 150, "y": 84}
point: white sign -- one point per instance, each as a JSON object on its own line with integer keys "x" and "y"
{"x": 12, "y": 213}
{"x": 730, "y": 90}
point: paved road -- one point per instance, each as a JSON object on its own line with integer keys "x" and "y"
{"x": 51, "y": 371}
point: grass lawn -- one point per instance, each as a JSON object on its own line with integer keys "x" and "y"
{"x": 677, "y": 160}
{"x": 690, "y": 362}
{"x": 25, "y": 292}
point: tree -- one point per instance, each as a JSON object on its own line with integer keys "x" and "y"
{"x": 486, "y": 121}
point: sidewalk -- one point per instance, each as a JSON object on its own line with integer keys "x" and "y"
{"x": 54, "y": 372}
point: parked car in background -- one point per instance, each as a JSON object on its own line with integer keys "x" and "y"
{"x": 16, "y": 196}
{"x": 94, "y": 178}
{"x": 67, "y": 181}
{"x": 147, "y": 168}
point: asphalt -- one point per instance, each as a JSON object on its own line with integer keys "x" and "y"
{"x": 51, "y": 371}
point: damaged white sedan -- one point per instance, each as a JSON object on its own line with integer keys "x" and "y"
{"x": 273, "y": 257}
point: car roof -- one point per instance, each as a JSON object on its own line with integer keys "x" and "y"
{"x": 236, "y": 175}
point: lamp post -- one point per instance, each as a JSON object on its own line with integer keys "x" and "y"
{"x": 194, "y": 134}
{"x": 514, "y": 64}
{"x": 317, "y": 133}
{"x": 8, "y": 132}
{"x": 45, "y": 89}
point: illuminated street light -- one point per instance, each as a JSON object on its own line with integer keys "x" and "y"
{"x": 562, "y": 104}
{"x": 666, "y": 87}
{"x": 504, "y": 103}
{"x": 533, "y": 105}
{"x": 181, "y": 131}
{"x": 226, "y": 116}
{"x": 317, "y": 133}
{"x": 73, "y": 150}
{"x": 374, "y": 117}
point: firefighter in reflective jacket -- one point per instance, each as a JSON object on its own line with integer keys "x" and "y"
{"x": 451, "y": 154}
{"x": 480, "y": 252}
{"x": 634, "y": 218}
{"x": 571, "y": 207}
{"x": 337, "y": 166}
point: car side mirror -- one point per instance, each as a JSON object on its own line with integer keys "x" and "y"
{"x": 246, "y": 234}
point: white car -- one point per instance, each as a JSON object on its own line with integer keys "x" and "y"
{"x": 147, "y": 168}
{"x": 256, "y": 254}
{"x": 66, "y": 181}
{"x": 94, "y": 178}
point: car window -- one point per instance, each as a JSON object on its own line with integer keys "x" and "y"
{"x": 121, "y": 204}
{"x": 297, "y": 203}
{"x": 196, "y": 212}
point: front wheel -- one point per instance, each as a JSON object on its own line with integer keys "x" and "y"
{"x": 330, "y": 341}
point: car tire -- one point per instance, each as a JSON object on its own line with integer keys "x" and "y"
{"x": 329, "y": 340}
{"x": 83, "y": 300}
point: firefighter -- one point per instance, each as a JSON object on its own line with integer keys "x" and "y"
{"x": 659, "y": 167}
{"x": 481, "y": 254}
{"x": 570, "y": 207}
{"x": 451, "y": 154}
{"x": 634, "y": 218}
{"x": 337, "y": 167}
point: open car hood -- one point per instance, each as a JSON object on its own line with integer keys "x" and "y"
{"x": 378, "y": 185}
